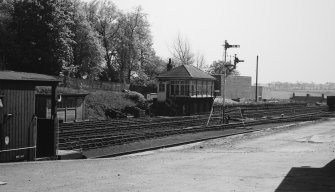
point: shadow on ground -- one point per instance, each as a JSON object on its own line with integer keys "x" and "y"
{"x": 309, "y": 179}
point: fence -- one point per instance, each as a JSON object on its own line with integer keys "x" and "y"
{"x": 91, "y": 84}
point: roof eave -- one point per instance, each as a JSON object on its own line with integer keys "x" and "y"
{"x": 37, "y": 82}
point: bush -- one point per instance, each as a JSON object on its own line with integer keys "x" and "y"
{"x": 113, "y": 113}
{"x": 135, "y": 96}
{"x": 99, "y": 102}
{"x": 138, "y": 98}
{"x": 132, "y": 110}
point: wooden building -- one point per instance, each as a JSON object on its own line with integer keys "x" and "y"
{"x": 309, "y": 99}
{"x": 70, "y": 106}
{"x": 185, "y": 90}
{"x": 22, "y": 135}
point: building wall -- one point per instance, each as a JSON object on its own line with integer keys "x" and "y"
{"x": 17, "y": 137}
{"x": 308, "y": 98}
{"x": 183, "y": 106}
{"x": 191, "y": 106}
{"x": 70, "y": 109}
{"x": 238, "y": 87}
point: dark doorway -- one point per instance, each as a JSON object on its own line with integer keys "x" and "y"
{"x": 45, "y": 138}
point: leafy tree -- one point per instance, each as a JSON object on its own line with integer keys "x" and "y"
{"x": 154, "y": 67}
{"x": 135, "y": 43}
{"x": 62, "y": 23}
{"x": 104, "y": 17}
{"x": 88, "y": 51}
{"x": 147, "y": 73}
{"x": 74, "y": 38}
{"x": 217, "y": 67}
{"x": 26, "y": 21}
{"x": 6, "y": 35}
{"x": 41, "y": 36}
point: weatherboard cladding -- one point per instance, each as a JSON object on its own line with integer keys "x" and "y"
{"x": 19, "y": 101}
{"x": 185, "y": 72}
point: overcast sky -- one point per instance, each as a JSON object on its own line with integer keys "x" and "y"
{"x": 295, "y": 39}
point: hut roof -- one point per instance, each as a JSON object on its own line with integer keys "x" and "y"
{"x": 24, "y": 76}
{"x": 185, "y": 72}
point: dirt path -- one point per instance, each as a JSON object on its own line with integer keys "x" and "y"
{"x": 296, "y": 159}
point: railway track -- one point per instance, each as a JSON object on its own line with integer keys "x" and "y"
{"x": 92, "y": 135}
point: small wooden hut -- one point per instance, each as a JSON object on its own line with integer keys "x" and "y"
{"x": 22, "y": 135}
{"x": 70, "y": 106}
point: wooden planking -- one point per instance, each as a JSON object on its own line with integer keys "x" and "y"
{"x": 31, "y": 111}
{"x": 20, "y": 102}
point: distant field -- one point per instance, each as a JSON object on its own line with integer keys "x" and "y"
{"x": 287, "y": 94}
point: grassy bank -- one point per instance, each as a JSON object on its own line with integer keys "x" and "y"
{"x": 97, "y": 102}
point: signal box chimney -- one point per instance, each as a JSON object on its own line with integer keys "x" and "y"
{"x": 169, "y": 66}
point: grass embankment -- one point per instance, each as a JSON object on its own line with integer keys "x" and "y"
{"x": 97, "y": 102}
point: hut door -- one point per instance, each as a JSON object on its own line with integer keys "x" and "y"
{"x": 45, "y": 138}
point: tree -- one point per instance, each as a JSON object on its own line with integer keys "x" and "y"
{"x": 217, "y": 67}
{"x": 200, "y": 61}
{"x": 62, "y": 23}
{"x": 6, "y": 36}
{"x": 181, "y": 51}
{"x": 134, "y": 47}
{"x": 104, "y": 17}
{"x": 73, "y": 38}
{"x": 42, "y": 39}
{"x": 154, "y": 67}
{"x": 88, "y": 51}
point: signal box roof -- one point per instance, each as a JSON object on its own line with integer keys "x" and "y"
{"x": 29, "y": 77}
{"x": 185, "y": 72}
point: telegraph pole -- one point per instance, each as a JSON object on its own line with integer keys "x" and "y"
{"x": 225, "y": 67}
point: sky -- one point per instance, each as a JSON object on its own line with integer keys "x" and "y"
{"x": 294, "y": 39}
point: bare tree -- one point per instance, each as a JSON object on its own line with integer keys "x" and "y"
{"x": 181, "y": 51}
{"x": 200, "y": 61}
